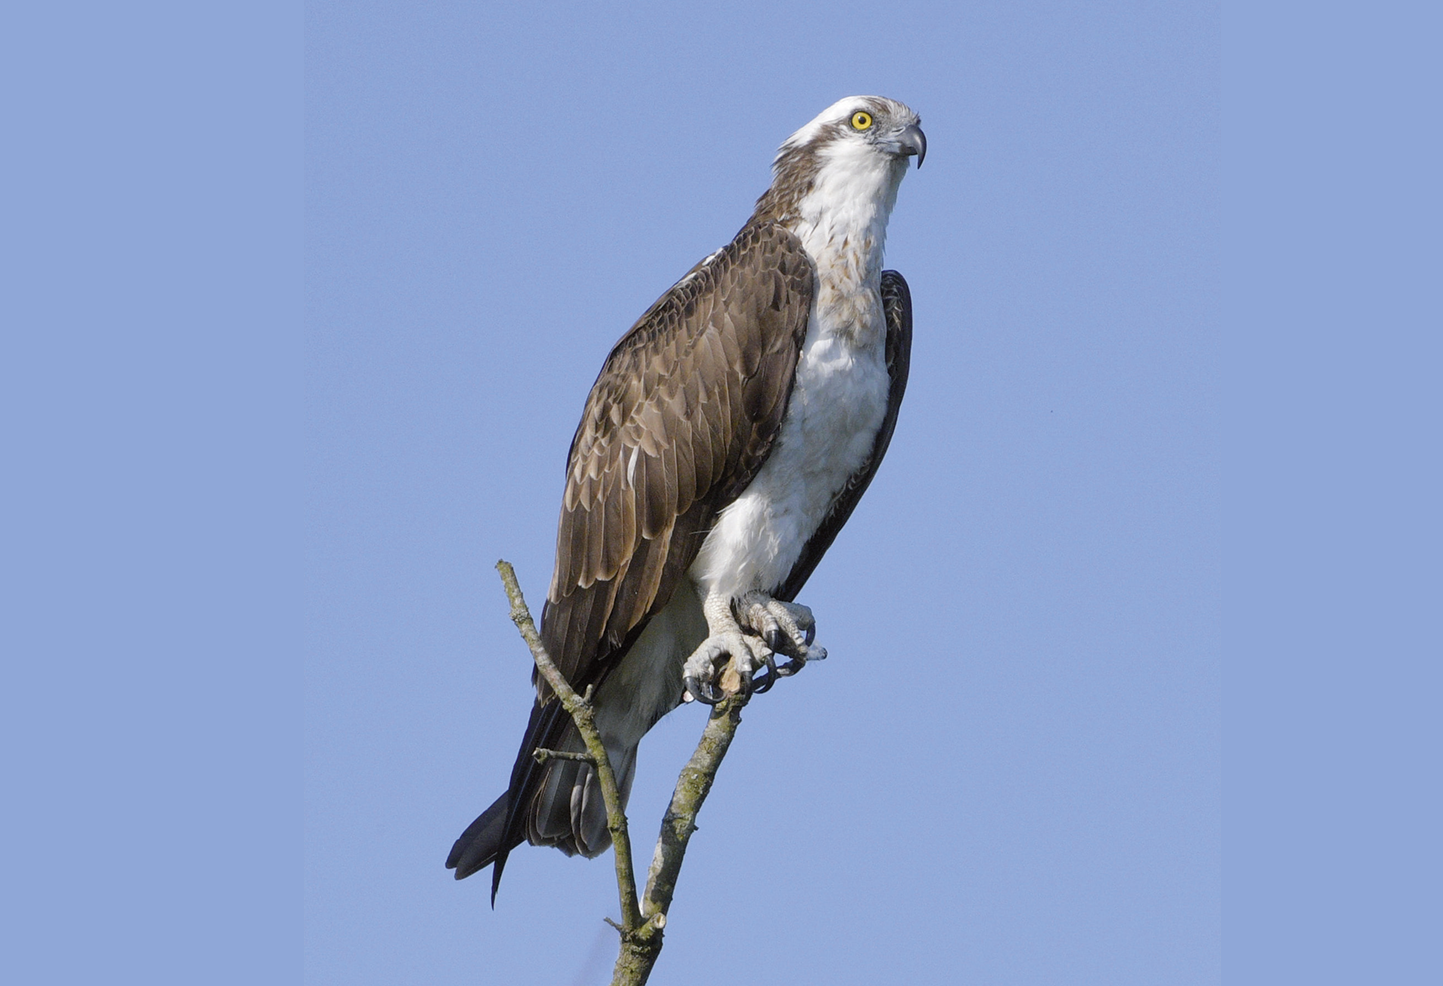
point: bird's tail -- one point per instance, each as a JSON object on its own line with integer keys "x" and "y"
{"x": 484, "y": 842}
{"x": 567, "y": 812}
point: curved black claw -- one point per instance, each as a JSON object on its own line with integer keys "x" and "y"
{"x": 801, "y": 661}
{"x": 704, "y": 692}
{"x": 781, "y": 643}
{"x": 791, "y": 667}
{"x": 765, "y": 683}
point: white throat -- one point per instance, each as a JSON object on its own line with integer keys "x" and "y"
{"x": 839, "y": 396}
{"x": 842, "y": 221}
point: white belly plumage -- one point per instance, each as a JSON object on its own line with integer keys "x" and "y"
{"x": 837, "y": 405}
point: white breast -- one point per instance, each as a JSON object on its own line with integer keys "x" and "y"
{"x": 837, "y": 405}
{"x": 840, "y": 395}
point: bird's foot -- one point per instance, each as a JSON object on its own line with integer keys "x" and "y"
{"x": 724, "y": 664}
{"x": 745, "y": 635}
{"x": 788, "y": 629}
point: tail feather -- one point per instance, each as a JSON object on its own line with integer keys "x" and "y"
{"x": 484, "y": 842}
{"x": 558, "y": 803}
{"x": 569, "y": 813}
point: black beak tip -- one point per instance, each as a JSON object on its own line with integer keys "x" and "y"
{"x": 914, "y": 141}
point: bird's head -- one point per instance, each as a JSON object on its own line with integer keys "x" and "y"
{"x": 859, "y": 128}
{"x": 858, "y": 146}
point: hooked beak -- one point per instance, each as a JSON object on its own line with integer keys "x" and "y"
{"x": 913, "y": 141}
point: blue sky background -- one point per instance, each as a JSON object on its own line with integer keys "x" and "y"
{"x": 1171, "y": 324}
{"x": 1014, "y": 752}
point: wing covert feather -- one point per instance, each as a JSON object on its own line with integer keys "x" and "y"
{"x": 680, "y": 418}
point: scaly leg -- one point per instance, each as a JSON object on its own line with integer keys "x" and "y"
{"x": 748, "y": 630}
{"x": 788, "y": 628}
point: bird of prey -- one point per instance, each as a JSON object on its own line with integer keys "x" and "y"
{"x": 724, "y": 444}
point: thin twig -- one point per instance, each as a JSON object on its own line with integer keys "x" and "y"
{"x": 542, "y": 755}
{"x": 692, "y": 787}
{"x": 642, "y": 924}
{"x": 582, "y": 714}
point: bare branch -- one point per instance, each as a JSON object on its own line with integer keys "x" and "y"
{"x": 642, "y": 924}
{"x": 692, "y": 787}
{"x": 582, "y": 714}
{"x": 542, "y": 755}
{"x": 639, "y": 951}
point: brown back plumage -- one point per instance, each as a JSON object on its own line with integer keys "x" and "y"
{"x": 681, "y": 417}
{"x": 728, "y": 337}
{"x": 679, "y": 420}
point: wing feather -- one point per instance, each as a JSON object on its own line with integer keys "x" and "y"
{"x": 686, "y": 491}
{"x": 698, "y": 387}
{"x": 595, "y": 536}
{"x": 615, "y": 546}
{"x": 680, "y": 418}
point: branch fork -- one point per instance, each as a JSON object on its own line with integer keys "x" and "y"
{"x": 643, "y": 918}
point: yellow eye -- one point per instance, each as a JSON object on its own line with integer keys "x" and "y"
{"x": 861, "y": 120}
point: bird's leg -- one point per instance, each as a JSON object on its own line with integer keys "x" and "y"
{"x": 749, "y": 630}
{"x": 788, "y": 628}
{"x": 725, "y": 640}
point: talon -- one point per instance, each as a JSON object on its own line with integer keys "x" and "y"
{"x": 745, "y": 633}
{"x": 791, "y": 667}
{"x": 797, "y": 663}
{"x": 764, "y": 684}
{"x": 744, "y": 683}
{"x": 787, "y": 628}
{"x": 704, "y": 692}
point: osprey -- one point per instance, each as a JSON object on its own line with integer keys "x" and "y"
{"x": 724, "y": 444}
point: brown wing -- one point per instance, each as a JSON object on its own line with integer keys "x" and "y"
{"x": 681, "y": 417}
{"x": 679, "y": 420}
{"x": 897, "y": 307}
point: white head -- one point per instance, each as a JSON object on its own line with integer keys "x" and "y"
{"x": 856, "y": 148}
